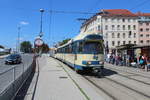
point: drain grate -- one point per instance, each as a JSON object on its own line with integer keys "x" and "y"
{"x": 63, "y": 77}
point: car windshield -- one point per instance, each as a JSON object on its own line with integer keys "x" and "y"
{"x": 93, "y": 47}
{"x": 12, "y": 57}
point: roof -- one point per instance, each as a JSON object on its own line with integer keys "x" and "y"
{"x": 143, "y": 14}
{"x": 117, "y": 12}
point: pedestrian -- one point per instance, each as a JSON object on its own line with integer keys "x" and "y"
{"x": 148, "y": 63}
{"x": 143, "y": 61}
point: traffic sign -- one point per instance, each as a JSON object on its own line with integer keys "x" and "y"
{"x": 38, "y": 42}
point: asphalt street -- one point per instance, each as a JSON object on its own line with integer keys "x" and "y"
{"x": 7, "y": 71}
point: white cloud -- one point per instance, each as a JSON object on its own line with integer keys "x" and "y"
{"x": 24, "y": 23}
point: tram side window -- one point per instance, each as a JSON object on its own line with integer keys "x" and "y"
{"x": 80, "y": 47}
{"x": 74, "y": 47}
{"x": 70, "y": 48}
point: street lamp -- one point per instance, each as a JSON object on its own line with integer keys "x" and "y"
{"x": 18, "y": 40}
{"x": 41, "y": 33}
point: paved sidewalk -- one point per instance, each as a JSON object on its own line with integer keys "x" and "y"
{"x": 54, "y": 83}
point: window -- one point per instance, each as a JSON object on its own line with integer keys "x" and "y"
{"x": 124, "y": 35}
{"x": 134, "y": 27}
{"x": 147, "y": 35}
{"x": 124, "y": 42}
{"x": 99, "y": 27}
{"x": 113, "y": 27}
{"x": 123, "y": 20}
{"x": 134, "y": 42}
{"x": 129, "y": 36}
{"x": 106, "y": 19}
{"x": 141, "y": 41}
{"x": 118, "y": 20}
{"x": 147, "y": 24}
{"x": 118, "y": 35}
{"x": 106, "y": 35}
{"x": 129, "y": 27}
{"x": 106, "y": 27}
{"x": 123, "y": 27}
{"x": 134, "y": 35}
{"x": 141, "y": 29}
{"x": 147, "y": 29}
{"x": 92, "y": 47}
{"x": 148, "y": 41}
{"x": 118, "y": 27}
{"x": 118, "y": 43}
{"x": 129, "y": 42}
{"x": 129, "y": 20}
{"x": 80, "y": 46}
{"x": 113, "y": 35}
{"x": 113, "y": 43}
{"x": 141, "y": 24}
{"x": 141, "y": 35}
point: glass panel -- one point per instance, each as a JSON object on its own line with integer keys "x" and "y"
{"x": 93, "y": 47}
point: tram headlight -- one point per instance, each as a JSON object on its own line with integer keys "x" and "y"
{"x": 101, "y": 63}
{"x": 89, "y": 62}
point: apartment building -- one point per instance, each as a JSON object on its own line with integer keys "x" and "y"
{"x": 118, "y": 26}
{"x": 144, "y": 28}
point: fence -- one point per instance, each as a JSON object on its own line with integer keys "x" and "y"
{"x": 12, "y": 79}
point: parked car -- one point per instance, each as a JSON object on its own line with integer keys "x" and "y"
{"x": 13, "y": 59}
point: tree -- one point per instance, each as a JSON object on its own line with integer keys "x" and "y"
{"x": 45, "y": 48}
{"x": 1, "y": 47}
{"x": 64, "y": 41}
{"x": 26, "y": 47}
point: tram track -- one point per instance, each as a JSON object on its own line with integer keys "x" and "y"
{"x": 90, "y": 79}
{"x": 116, "y": 82}
{"x": 114, "y": 69}
{"x": 141, "y": 93}
{"x": 100, "y": 88}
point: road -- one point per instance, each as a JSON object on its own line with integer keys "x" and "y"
{"x": 26, "y": 60}
{"x": 7, "y": 71}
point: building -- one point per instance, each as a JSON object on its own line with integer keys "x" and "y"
{"x": 144, "y": 28}
{"x": 118, "y": 26}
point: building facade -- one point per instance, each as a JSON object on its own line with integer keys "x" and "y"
{"x": 144, "y": 28}
{"x": 118, "y": 27}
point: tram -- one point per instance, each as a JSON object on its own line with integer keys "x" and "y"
{"x": 85, "y": 52}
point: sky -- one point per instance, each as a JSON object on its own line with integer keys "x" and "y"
{"x": 56, "y": 26}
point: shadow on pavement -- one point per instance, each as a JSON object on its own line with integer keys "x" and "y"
{"x": 23, "y": 91}
{"x": 106, "y": 72}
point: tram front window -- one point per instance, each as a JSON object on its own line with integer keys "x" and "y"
{"x": 93, "y": 47}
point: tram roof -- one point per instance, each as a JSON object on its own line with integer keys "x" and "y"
{"x": 82, "y": 37}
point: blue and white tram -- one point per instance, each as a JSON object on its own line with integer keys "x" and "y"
{"x": 83, "y": 53}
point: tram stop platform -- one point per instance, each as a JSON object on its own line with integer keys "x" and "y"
{"x": 52, "y": 83}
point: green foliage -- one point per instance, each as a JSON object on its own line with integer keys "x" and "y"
{"x": 64, "y": 41}
{"x": 26, "y": 47}
{"x": 45, "y": 48}
{"x": 1, "y": 46}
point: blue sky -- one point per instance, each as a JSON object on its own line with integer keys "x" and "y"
{"x": 26, "y": 13}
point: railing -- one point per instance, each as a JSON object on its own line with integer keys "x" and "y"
{"x": 12, "y": 79}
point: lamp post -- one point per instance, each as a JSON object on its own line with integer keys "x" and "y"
{"x": 41, "y": 22}
{"x": 18, "y": 49}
